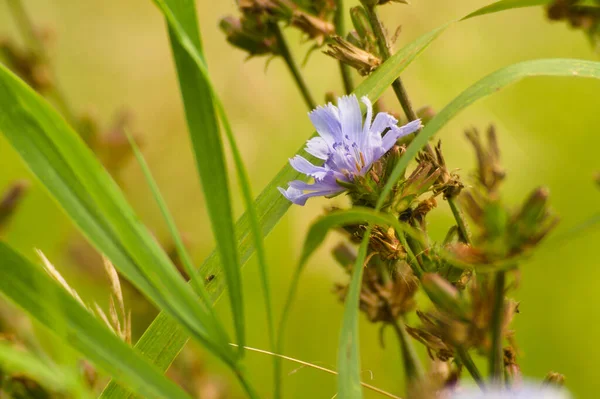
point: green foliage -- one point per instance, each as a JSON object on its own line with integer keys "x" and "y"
{"x": 22, "y": 282}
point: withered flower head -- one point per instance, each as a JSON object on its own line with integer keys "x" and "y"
{"x": 459, "y": 321}
{"x": 489, "y": 170}
{"x": 384, "y": 299}
{"x": 254, "y": 37}
{"x": 580, "y": 16}
{"x": 359, "y": 59}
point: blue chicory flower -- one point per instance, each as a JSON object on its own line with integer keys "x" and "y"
{"x": 348, "y": 147}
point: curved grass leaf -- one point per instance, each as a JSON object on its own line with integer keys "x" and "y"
{"x": 179, "y": 245}
{"x": 347, "y": 358}
{"x": 74, "y": 177}
{"x": 486, "y": 86}
{"x": 203, "y": 128}
{"x": 22, "y": 282}
{"x": 24, "y": 363}
{"x": 506, "y": 5}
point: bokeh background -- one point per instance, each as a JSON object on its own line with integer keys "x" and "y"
{"x": 112, "y": 54}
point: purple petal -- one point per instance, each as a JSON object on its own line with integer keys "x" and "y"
{"x": 298, "y": 197}
{"x": 382, "y": 121}
{"x": 317, "y": 147}
{"x": 327, "y": 122}
{"x": 369, "y": 116}
{"x": 302, "y": 165}
{"x": 351, "y": 118}
{"x": 397, "y": 132}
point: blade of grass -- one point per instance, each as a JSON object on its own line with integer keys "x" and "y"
{"x": 203, "y": 128}
{"x": 68, "y": 169}
{"x": 486, "y": 86}
{"x": 348, "y": 347}
{"x": 163, "y": 340}
{"x": 348, "y": 355}
{"x": 22, "y": 282}
{"x": 506, "y": 5}
{"x": 183, "y": 25}
{"x": 180, "y": 247}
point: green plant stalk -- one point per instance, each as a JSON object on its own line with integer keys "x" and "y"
{"x": 460, "y": 221}
{"x": 36, "y": 46}
{"x": 293, "y": 66}
{"x": 338, "y": 21}
{"x": 496, "y": 361}
{"x": 384, "y": 49}
{"x": 467, "y": 361}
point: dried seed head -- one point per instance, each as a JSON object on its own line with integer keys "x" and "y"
{"x": 554, "y": 378}
{"x": 346, "y": 52}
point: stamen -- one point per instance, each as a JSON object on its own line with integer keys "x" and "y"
{"x": 362, "y": 159}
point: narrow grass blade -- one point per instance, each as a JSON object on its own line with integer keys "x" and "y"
{"x": 504, "y": 5}
{"x": 75, "y": 178}
{"x": 22, "y": 362}
{"x": 22, "y": 282}
{"x": 182, "y": 252}
{"x": 315, "y": 238}
{"x": 183, "y": 25}
{"x": 203, "y": 128}
{"x": 486, "y": 86}
{"x": 349, "y": 344}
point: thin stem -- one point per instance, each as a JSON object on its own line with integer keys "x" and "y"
{"x": 397, "y": 85}
{"x": 460, "y": 221}
{"x": 467, "y": 361}
{"x": 36, "y": 46}
{"x": 345, "y": 70}
{"x": 496, "y": 355}
{"x": 307, "y": 364}
{"x": 293, "y": 66}
{"x": 385, "y": 51}
{"x": 412, "y": 366}
{"x": 246, "y": 384}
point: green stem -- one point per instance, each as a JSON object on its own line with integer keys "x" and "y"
{"x": 384, "y": 49}
{"x": 293, "y": 66}
{"x": 338, "y": 21}
{"x": 412, "y": 366}
{"x": 36, "y": 47}
{"x": 460, "y": 221}
{"x": 397, "y": 85}
{"x": 496, "y": 356}
{"x": 246, "y": 384}
{"x": 467, "y": 361}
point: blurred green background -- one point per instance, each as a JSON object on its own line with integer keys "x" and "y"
{"x": 114, "y": 54}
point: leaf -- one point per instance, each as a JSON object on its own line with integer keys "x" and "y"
{"x": 183, "y": 21}
{"x": 506, "y": 5}
{"x": 349, "y": 349}
{"x": 22, "y": 282}
{"x": 314, "y": 239}
{"x": 179, "y": 245}
{"x": 486, "y": 86}
{"x": 203, "y": 128}
{"x": 74, "y": 177}
{"x": 24, "y": 363}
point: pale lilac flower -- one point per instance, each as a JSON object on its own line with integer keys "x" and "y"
{"x": 348, "y": 147}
